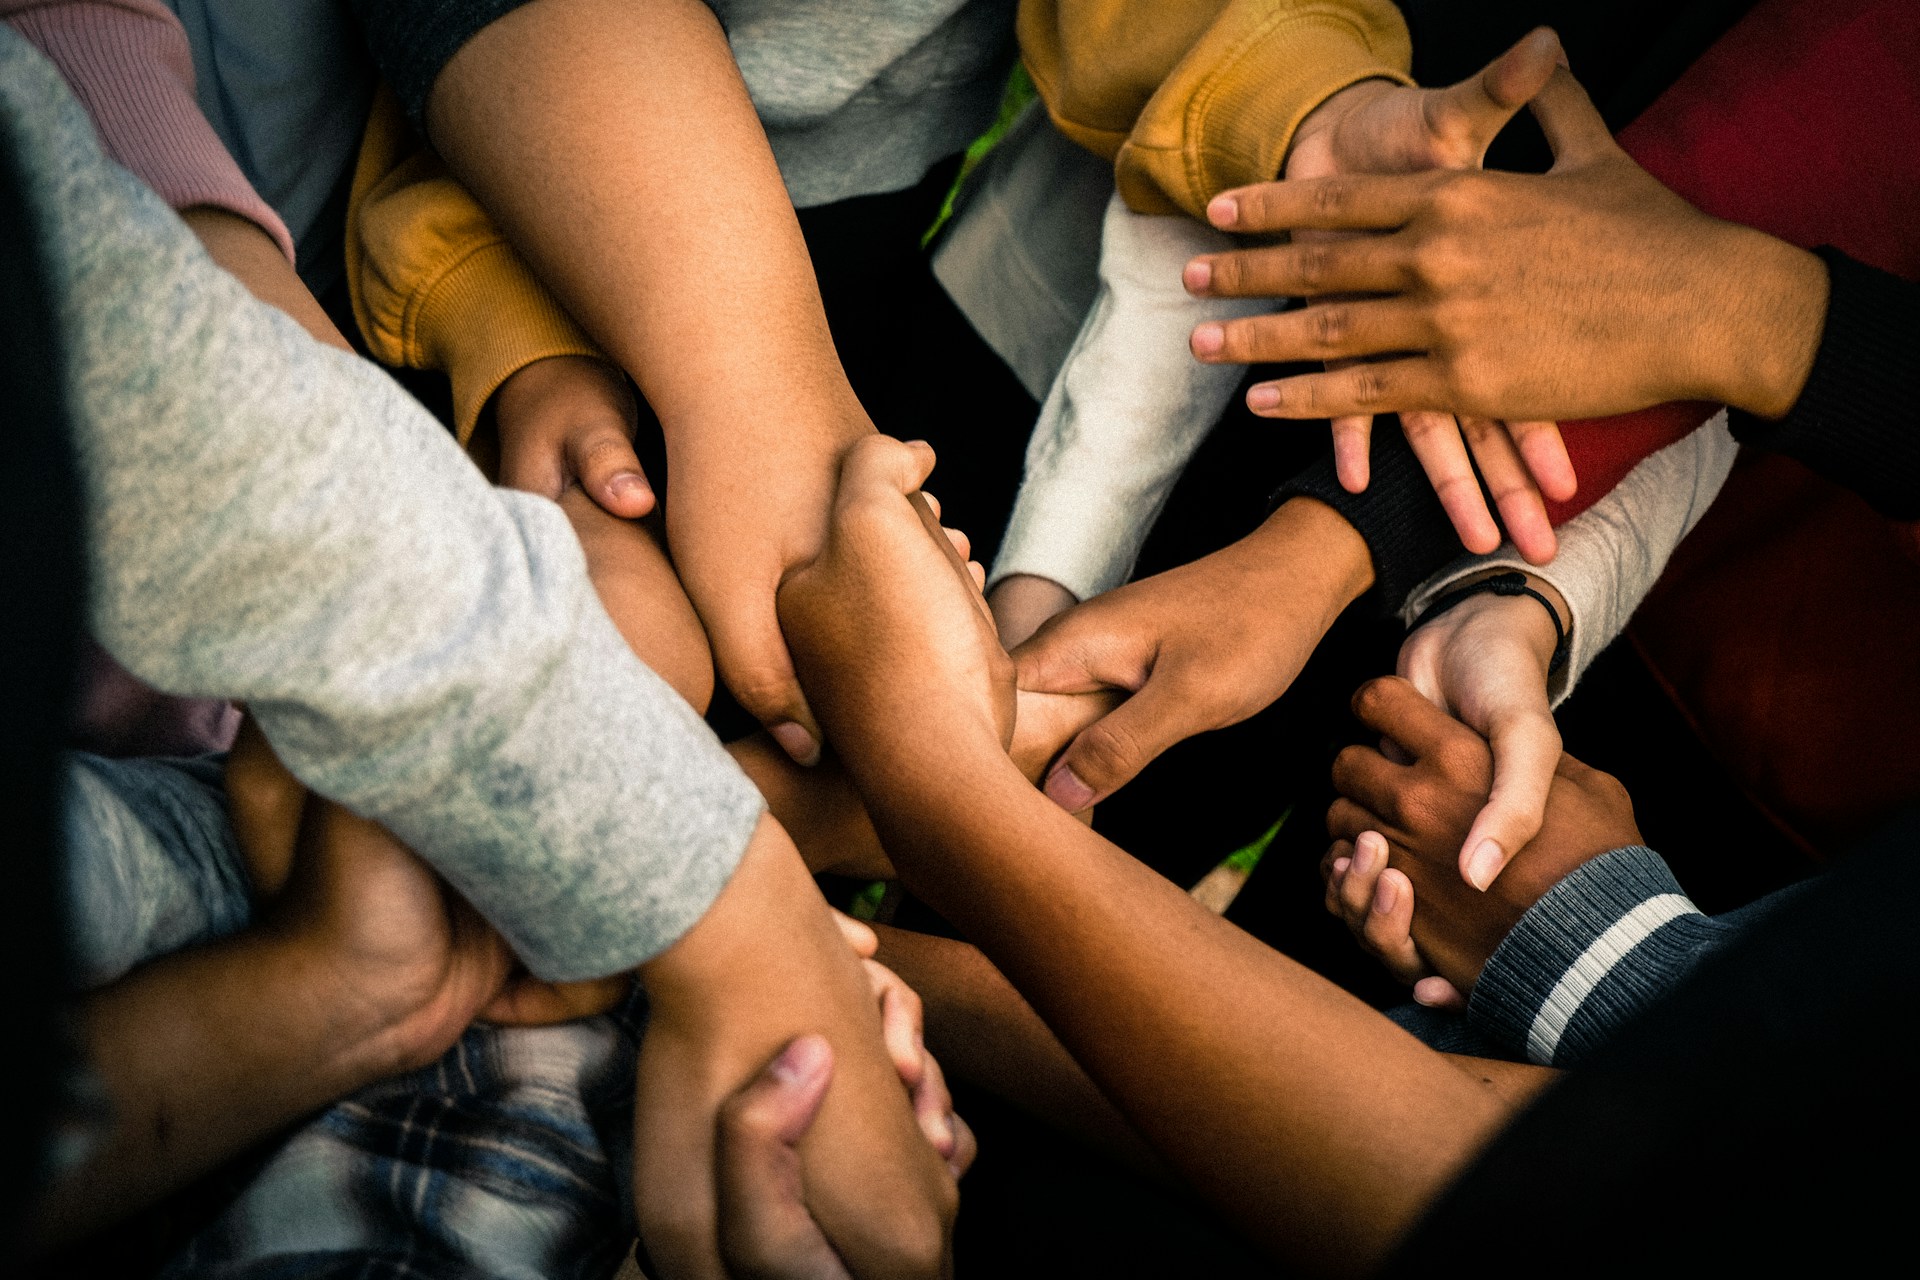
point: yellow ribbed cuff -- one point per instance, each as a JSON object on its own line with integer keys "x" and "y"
{"x": 485, "y": 320}
{"x": 1227, "y": 115}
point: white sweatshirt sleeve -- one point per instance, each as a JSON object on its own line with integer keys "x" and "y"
{"x": 1125, "y": 412}
{"x": 1612, "y": 553}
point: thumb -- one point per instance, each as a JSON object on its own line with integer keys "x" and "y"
{"x": 1112, "y": 751}
{"x": 765, "y": 1226}
{"x": 751, "y": 656}
{"x": 1465, "y": 118}
{"x": 1526, "y": 751}
{"x": 1572, "y": 124}
{"x": 601, "y": 457}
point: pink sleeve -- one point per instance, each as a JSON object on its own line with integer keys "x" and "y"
{"x": 129, "y": 63}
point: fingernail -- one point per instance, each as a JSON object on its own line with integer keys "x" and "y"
{"x": 628, "y": 482}
{"x": 801, "y": 1060}
{"x": 1385, "y": 896}
{"x": 1066, "y": 790}
{"x": 1208, "y": 339}
{"x": 1365, "y": 855}
{"x": 1197, "y": 276}
{"x": 1263, "y": 396}
{"x": 1483, "y": 864}
{"x": 1223, "y": 211}
{"x": 796, "y": 742}
{"x": 1423, "y": 997}
{"x": 1340, "y": 866}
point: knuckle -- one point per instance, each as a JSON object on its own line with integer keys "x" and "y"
{"x": 1313, "y": 264}
{"x": 1331, "y": 325}
{"x": 1331, "y": 197}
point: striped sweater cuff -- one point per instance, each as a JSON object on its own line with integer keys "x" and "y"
{"x": 1599, "y": 947}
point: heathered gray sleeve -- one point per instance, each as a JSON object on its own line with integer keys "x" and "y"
{"x": 276, "y": 522}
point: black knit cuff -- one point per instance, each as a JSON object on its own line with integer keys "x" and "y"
{"x": 1405, "y": 527}
{"x": 411, "y": 40}
{"x": 1855, "y": 421}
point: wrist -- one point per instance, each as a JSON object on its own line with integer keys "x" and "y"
{"x": 1311, "y": 145}
{"x": 1762, "y": 350}
{"x": 1321, "y": 557}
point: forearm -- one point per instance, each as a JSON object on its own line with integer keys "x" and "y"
{"x": 1232, "y": 1061}
{"x": 203, "y": 1054}
{"x": 574, "y": 122}
{"x": 246, "y": 252}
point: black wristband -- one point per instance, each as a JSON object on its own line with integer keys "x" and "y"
{"x": 1510, "y": 583}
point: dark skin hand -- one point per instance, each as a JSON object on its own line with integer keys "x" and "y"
{"x": 567, "y": 421}
{"x": 1398, "y": 827}
{"x": 1586, "y": 291}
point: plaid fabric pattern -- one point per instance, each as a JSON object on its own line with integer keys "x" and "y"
{"x": 508, "y": 1158}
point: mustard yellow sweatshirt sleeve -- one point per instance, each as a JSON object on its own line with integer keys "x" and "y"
{"x": 434, "y": 283}
{"x": 1191, "y": 97}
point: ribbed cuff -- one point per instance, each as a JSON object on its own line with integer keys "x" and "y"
{"x": 1405, "y": 527}
{"x": 482, "y": 322}
{"x": 1855, "y": 422}
{"x": 1596, "y": 949}
{"x": 412, "y": 40}
{"x": 1227, "y": 114}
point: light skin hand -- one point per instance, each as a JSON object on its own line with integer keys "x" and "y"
{"x": 568, "y": 421}
{"x": 1587, "y": 291}
{"x": 1023, "y": 602}
{"x": 1486, "y": 663}
{"x": 1377, "y": 127}
{"x": 1422, "y": 808}
{"x": 599, "y": 155}
{"x": 1199, "y": 647}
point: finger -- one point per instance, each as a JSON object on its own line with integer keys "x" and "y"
{"x": 965, "y": 1147}
{"x": 962, "y": 545}
{"x": 1303, "y": 269}
{"x": 1082, "y": 650}
{"x": 751, "y": 656}
{"x": 1350, "y": 203}
{"x": 1112, "y": 751}
{"x": 1545, "y": 454}
{"x": 765, "y": 1227}
{"x": 1322, "y": 331}
{"x": 1526, "y": 752}
{"x": 1388, "y": 930}
{"x": 1374, "y": 386}
{"x": 1521, "y": 508}
{"x": 1363, "y": 877}
{"x": 1573, "y": 126}
{"x": 933, "y": 504}
{"x": 1335, "y": 852}
{"x": 877, "y": 465}
{"x": 1378, "y": 779}
{"x": 933, "y": 1108}
{"x": 1435, "y": 440}
{"x": 859, "y": 935}
{"x": 1436, "y": 992}
{"x": 900, "y": 1025}
{"x": 1352, "y": 439}
{"x": 1465, "y": 118}
{"x": 601, "y": 457}
{"x": 1392, "y": 707}
{"x": 1337, "y": 875}
{"x": 978, "y": 572}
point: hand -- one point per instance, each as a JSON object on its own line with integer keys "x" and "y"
{"x": 1377, "y": 127}
{"x": 567, "y": 421}
{"x": 764, "y": 965}
{"x": 1586, "y": 291}
{"x": 1486, "y": 663}
{"x": 1199, "y": 647}
{"x": 888, "y": 623}
{"x": 1375, "y": 902}
{"x": 1023, "y": 602}
{"x": 1424, "y": 808}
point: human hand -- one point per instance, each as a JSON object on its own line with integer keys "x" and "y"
{"x": 888, "y": 623}
{"x": 764, "y": 965}
{"x": 1199, "y": 647}
{"x": 566, "y": 421}
{"x": 1377, "y": 127}
{"x": 1022, "y": 603}
{"x": 1423, "y": 808}
{"x": 1487, "y": 662}
{"x": 1589, "y": 290}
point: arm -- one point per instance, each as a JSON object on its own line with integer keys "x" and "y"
{"x": 209, "y": 578}
{"x": 1230, "y": 1060}
{"x": 597, "y": 135}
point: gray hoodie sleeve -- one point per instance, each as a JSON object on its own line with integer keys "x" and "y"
{"x": 276, "y": 522}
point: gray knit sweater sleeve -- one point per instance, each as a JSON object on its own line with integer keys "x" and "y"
{"x": 1593, "y": 952}
{"x": 275, "y": 522}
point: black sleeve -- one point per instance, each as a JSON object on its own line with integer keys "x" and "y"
{"x": 1856, "y": 421}
{"x": 1406, "y": 528}
{"x": 412, "y": 40}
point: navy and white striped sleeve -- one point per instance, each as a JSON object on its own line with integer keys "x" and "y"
{"x": 1599, "y": 947}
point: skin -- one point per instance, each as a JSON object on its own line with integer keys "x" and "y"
{"x": 250, "y": 255}
{"x": 572, "y": 121}
{"x": 1377, "y": 127}
{"x": 1486, "y": 662}
{"x": 1397, "y": 826}
{"x": 1198, "y": 647}
{"x": 1586, "y": 291}
{"x": 1231, "y": 1061}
